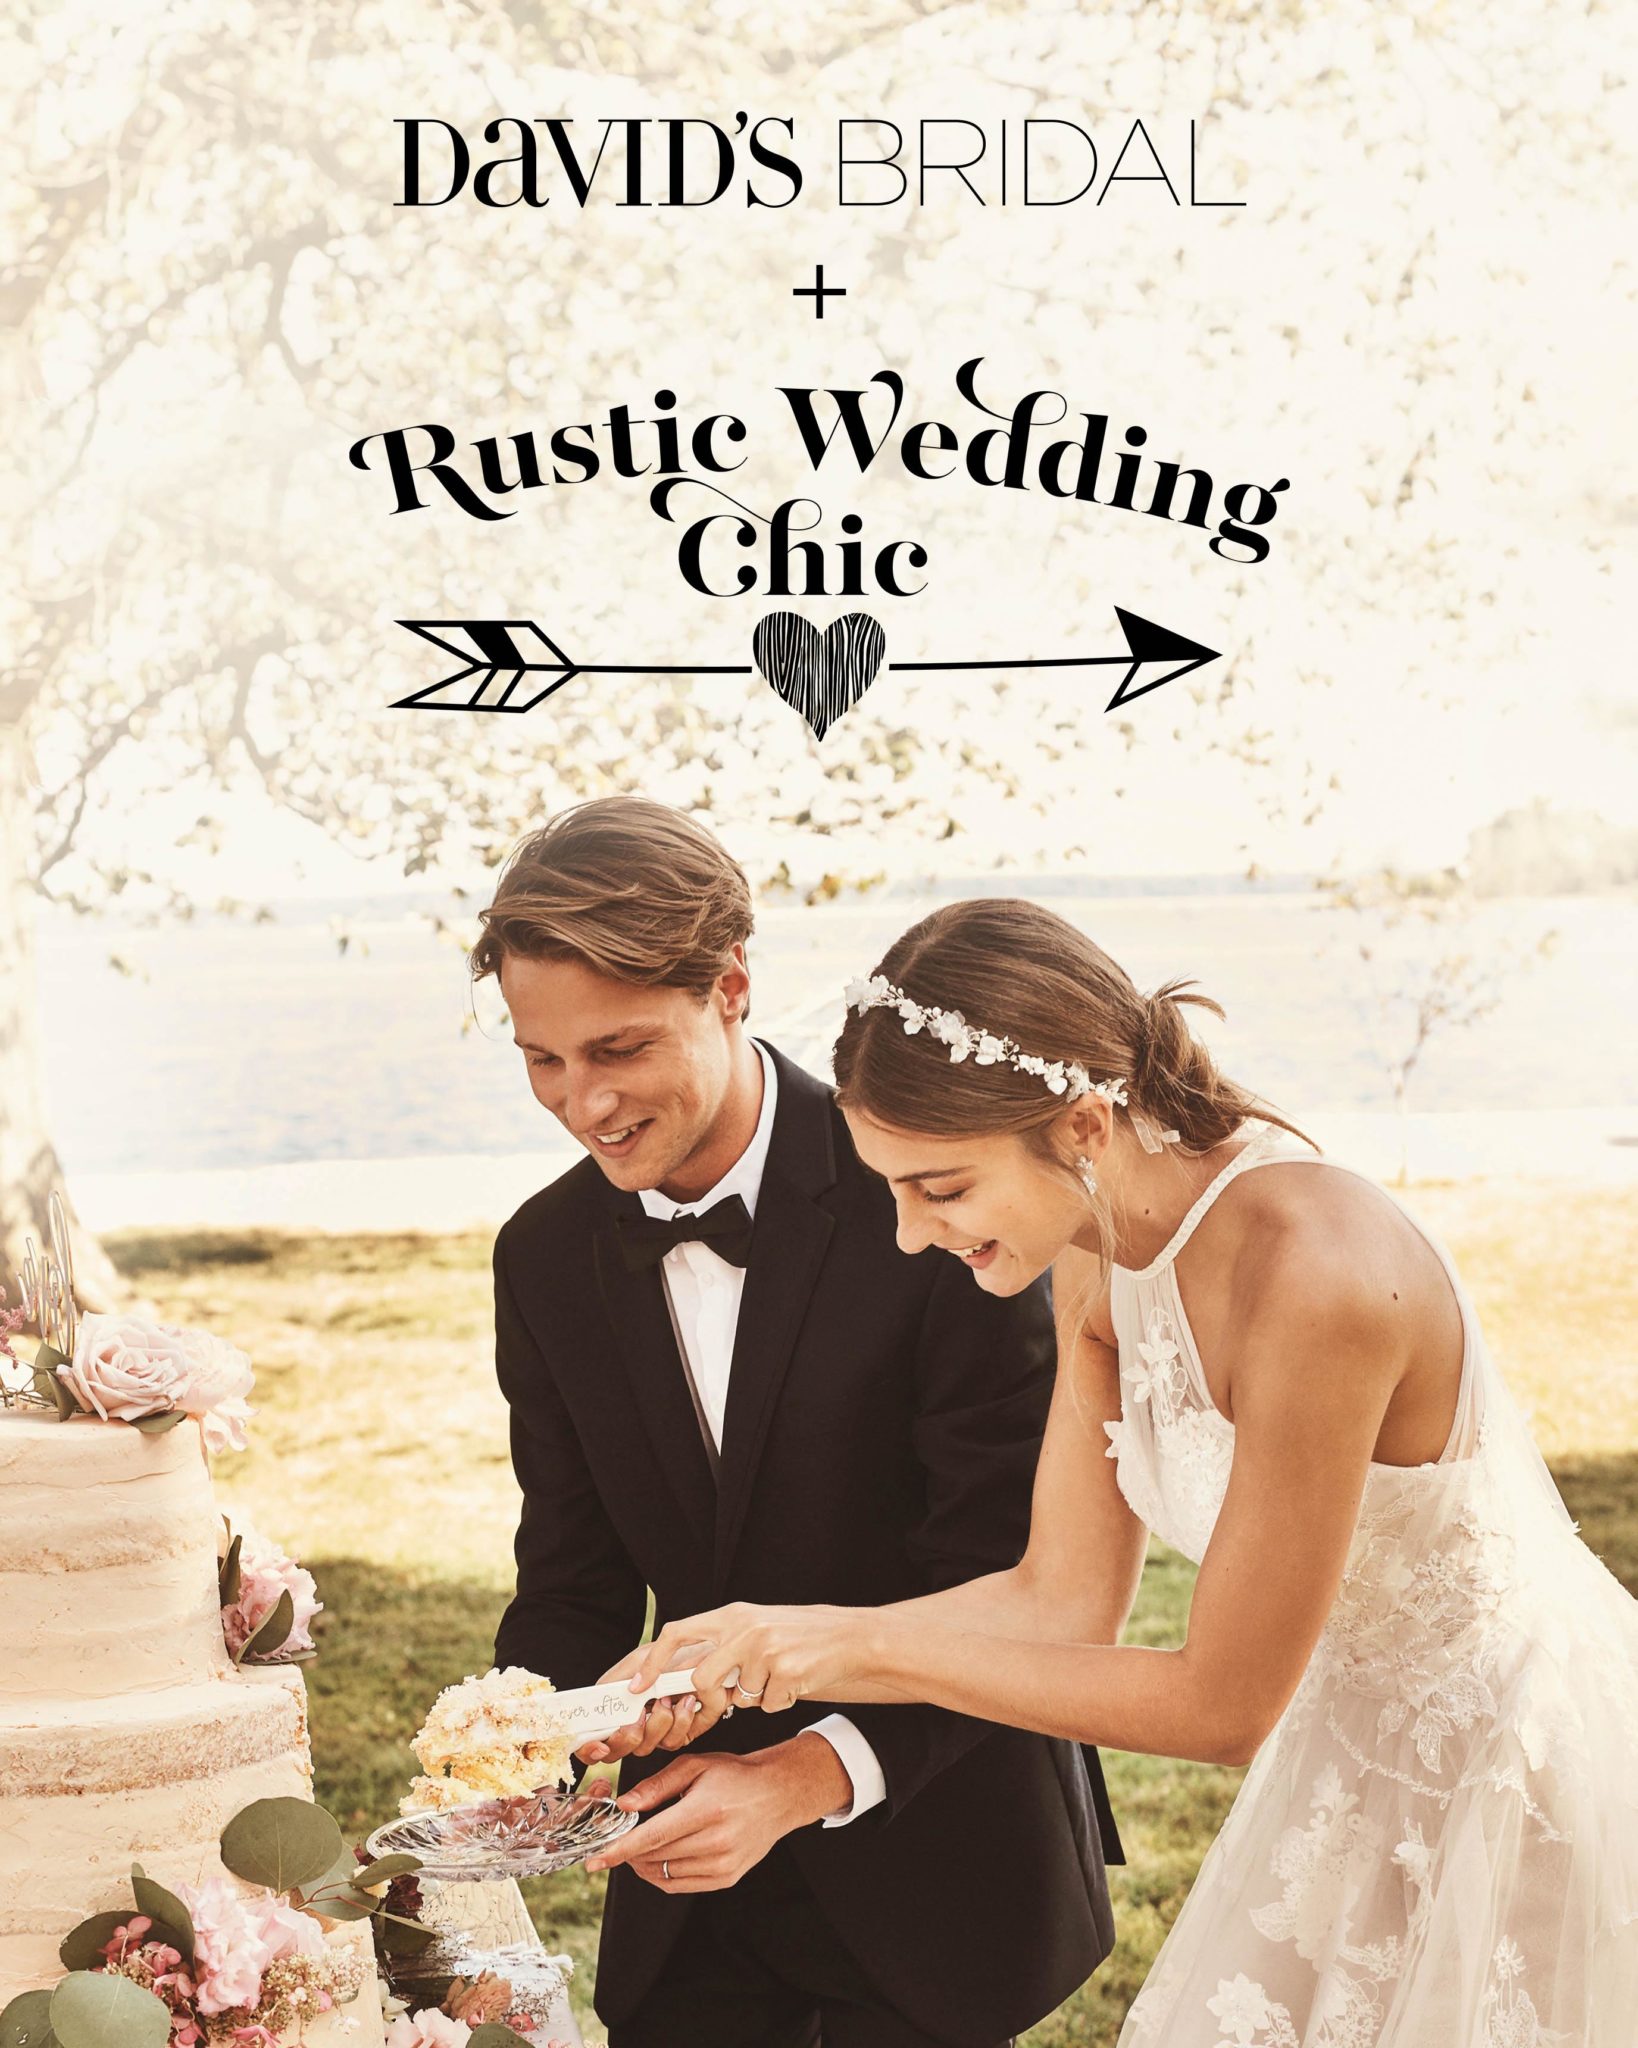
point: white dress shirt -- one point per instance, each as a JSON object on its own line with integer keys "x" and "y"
{"x": 705, "y": 1293}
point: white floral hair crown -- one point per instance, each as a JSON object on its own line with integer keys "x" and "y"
{"x": 967, "y": 1041}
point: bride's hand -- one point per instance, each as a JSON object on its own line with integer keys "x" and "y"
{"x": 767, "y": 1657}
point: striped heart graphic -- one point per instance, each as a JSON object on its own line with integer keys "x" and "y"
{"x": 820, "y": 675}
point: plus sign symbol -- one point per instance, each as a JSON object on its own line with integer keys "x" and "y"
{"x": 819, "y": 291}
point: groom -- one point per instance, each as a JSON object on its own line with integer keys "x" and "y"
{"x": 726, "y": 1382}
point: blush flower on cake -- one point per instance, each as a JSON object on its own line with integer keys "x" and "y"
{"x": 490, "y": 1737}
{"x": 251, "y": 1957}
{"x": 258, "y": 1974}
{"x": 263, "y": 1575}
{"x": 126, "y": 1369}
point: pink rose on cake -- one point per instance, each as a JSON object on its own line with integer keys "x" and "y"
{"x": 285, "y": 1931}
{"x": 230, "y": 1949}
{"x": 264, "y": 1573}
{"x": 237, "y": 1939}
{"x": 124, "y": 1368}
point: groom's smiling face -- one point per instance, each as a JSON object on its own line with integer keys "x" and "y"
{"x": 639, "y": 1076}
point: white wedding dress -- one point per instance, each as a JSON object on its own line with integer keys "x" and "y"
{"x": 1437, "y": 1846}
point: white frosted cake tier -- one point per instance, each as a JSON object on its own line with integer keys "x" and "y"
{"x": 88, "y": 1788}
{"x": 360, "y": 2023}
{"x": 107, "y": 1559}
{"x": 126, "y": 1735}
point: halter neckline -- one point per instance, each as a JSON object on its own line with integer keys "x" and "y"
{"x": 1254, "y": 1145}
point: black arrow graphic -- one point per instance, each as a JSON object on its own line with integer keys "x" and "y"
{"x": 511, "y": 665}
{"x": 1145, "y": 642}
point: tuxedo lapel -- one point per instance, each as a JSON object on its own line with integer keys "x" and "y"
{"x": 637, "y": 1310}
{"x": 788, "y": 1245}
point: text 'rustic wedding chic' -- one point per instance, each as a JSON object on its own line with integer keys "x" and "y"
{"x": 860, "y": 426}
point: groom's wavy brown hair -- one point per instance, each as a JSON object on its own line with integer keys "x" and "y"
{"x": 639, "y": 892}
{"x": 1019, "y": 971}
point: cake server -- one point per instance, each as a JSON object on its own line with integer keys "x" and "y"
{"x": 588, "y": 1711}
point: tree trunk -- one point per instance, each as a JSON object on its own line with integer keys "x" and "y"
{"x": 29, "y": 1166}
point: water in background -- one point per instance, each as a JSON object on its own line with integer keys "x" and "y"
{"x": 242, "y": 1047}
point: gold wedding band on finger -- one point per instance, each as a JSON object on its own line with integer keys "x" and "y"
{"x": 665, "y": 1869}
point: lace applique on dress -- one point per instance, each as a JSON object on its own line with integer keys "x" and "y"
{"x": 1457, "y": 1756}
{"x": 1511, "y": 2019}
{"x": 1177, "y": 1477}
{"x": 1246, "y": 2015}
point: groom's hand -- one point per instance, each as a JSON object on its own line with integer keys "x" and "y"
{"x": 726, "y": 1813}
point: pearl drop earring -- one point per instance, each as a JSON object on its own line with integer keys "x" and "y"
{"x": 1083, "y": 1166}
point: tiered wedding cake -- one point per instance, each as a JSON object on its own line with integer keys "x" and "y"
{"x": 126, "y": 1734}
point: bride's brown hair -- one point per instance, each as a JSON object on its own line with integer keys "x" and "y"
{"x": 1020, "y": 971}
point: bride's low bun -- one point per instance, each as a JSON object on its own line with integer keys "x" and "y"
{"x": 1175, "y": 1081}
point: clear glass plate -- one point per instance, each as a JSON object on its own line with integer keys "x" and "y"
{"x": 519, "y": 1837}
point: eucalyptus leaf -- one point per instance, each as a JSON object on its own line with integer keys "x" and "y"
{"x": 92, "y": 2010}
{"x": 158, "y": 1423}
{"x": 404, "y": 1937}
{"x": 281, "y": 1843}
{"x": 165, "y": 1909}
{"x": 26, "y": 2022}
{"x": 344, "y": 1905}
{"x": 398, "y": 1919}
{"x": 385, "y": 1868}
{"x": 341, "y": 1873}
{"x": 81, "y": 1948}
{"x": 56, "y": 1390}
{"x": 230, "y": 1578}
{"x": 496, "y": 2034}
{"x": 274, "y": 1631}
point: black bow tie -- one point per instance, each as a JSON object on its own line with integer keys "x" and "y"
{"x": 725, "y": 1227}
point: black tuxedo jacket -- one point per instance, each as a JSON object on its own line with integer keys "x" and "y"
{"x": 883, "y": 1422}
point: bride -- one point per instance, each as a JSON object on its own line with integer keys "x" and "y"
{"x": 1268, "y": 1364}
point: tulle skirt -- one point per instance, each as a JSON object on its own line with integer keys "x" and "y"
{"x": 1432, "y": 1852}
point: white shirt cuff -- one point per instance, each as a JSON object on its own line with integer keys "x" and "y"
{"x": 859, "y": 1761}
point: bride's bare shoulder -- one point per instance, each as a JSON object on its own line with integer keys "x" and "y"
{"x": 1331, "y": 1232}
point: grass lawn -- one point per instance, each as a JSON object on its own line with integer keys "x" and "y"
{"x": 379, "y": 1458}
